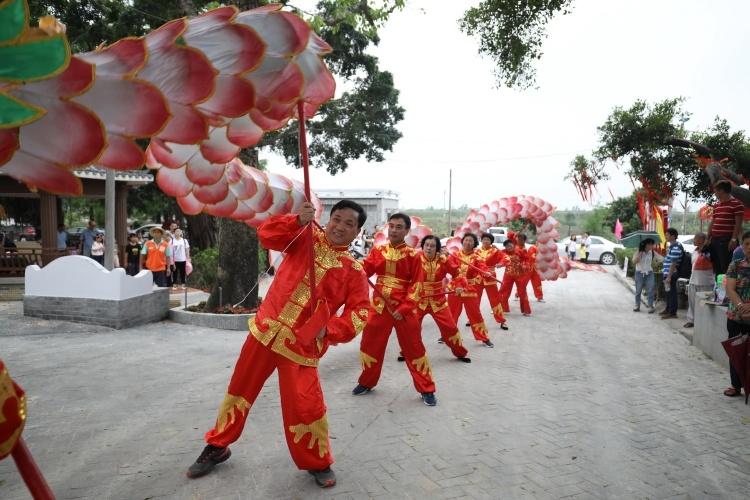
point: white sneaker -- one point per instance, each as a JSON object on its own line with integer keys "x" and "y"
{"x": 183, "y": 287}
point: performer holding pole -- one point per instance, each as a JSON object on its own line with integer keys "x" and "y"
{"x": 516, "y": 273}
{"x": 429, "y": 293}
{"x": 492, "y": 257}
{"x": 473, "y": 271}
{"x": 397, "y": 267}
{"x": 534, "y": 278}
{"x": 290, "y": 334}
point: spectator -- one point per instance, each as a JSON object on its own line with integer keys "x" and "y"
{"x": 180, "y": 255}
{"x": 644, "y": 274}
{"x": 87, "y": 238}
{"x": 133, "y": 252}
{"x": 725, "y": 227}
{"x": 586, "y": 247}
{"x": 572, "y": 247}
{"x": 737, "y": 284}
{"x": 97, "y": 249}
{"x": 62, "y": 238}
{"x": 170, "y": 260}
{"x": 154, "y": 256}
{"x": 701, "y": 276}
{"x": 674, "y": 256}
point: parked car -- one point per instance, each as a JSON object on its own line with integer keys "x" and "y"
{"x": 602, "y": 250}
{"x": 143, "y": 231}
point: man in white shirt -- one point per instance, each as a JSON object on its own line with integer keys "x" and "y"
{"x": 586, "y": 247}
{"x": 701, "y": 277}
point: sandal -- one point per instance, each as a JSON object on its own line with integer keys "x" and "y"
{"x": 731, "y": 392}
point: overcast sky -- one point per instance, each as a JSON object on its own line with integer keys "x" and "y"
{"x": 501, "y": 142}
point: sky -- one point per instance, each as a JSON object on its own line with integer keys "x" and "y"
{"x": 500, "y": 142}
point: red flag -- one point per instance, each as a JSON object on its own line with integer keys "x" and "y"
{"x": 618, "y": 229}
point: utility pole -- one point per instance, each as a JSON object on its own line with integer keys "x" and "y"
{"x": 450, "y": 204}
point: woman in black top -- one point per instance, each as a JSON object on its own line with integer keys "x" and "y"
{"x": 133, "y": 252}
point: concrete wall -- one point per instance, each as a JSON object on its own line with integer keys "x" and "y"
{"x": 710, "y": 328}
{"x": 112, "y": 313}
{"x": 76, "y": 276}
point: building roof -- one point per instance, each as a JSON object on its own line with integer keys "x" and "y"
{"x": 357, "y": 193}
{"x": 132, "y": 177}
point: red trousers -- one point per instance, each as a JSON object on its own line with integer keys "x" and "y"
{"x": 448, "y": 329}
{"x": 303, "y": 409}
{"x": 471, "y": 304}
{"x": 375, "y": 339}
{"x": 536, "y": 285}
{"x": 521, "y": 283}
{"x": 493, "y": 294}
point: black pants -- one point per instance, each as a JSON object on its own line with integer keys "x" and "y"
{"x": 98, "y": 258}
{"x": 178, "y": 276}
{"x": 720, "y": 254}
{"x": 160, "y": 278}
{"x": 736, "y": 328}
{"x": 672, "y": 295}
{"x": 132, "y": 268}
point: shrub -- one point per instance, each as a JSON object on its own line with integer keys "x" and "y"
{"x": 621, "y": 254}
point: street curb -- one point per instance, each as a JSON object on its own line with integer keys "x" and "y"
{"x": 236, "y": 322}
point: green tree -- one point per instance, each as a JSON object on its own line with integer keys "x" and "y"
{"x": 625, "y": 209}
{"x": 512, "y": 32}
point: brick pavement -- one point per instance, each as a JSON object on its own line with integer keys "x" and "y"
{"x": 585, "y": 399}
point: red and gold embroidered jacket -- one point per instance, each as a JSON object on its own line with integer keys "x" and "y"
{"x": 472, "y": 269}
{"x": 339, "y": 281}
{"x": 531, "y": 256}
{"x": 517, "y": 262}
{"x": 429, "y": 291}
{"x": 491, "y": 257}
{"x": 397, "y": 269}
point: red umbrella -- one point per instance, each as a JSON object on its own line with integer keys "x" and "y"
{"x": 738, "y": 350}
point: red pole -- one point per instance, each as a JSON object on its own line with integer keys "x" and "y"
{"x": 30, "y": 473}
{"x": 306, "y": 170}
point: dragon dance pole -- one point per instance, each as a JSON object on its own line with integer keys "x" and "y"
{"x": 30, "y": 473}
{"x": 306, "y": 170}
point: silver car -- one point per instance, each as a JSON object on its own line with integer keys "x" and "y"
{"x": 601, "y": 250}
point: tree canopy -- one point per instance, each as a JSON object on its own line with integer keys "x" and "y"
{"x": 511, "y": 33}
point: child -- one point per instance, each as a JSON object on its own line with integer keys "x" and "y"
{"x": 133, "y": 252}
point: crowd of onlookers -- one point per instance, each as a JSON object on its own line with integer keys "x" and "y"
{"x": 720, "y": 262}
{"x": 164, "y": 252}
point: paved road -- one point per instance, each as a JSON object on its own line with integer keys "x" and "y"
{"x": 585, "y": 399}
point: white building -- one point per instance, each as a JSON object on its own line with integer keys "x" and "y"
{"x": 378, "y": 203}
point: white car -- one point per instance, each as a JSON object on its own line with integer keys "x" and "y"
{"x": 601, "y": 250}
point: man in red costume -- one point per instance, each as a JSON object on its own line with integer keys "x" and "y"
{"x": 429, "y": 293}
{"x": 286, "y": 335}
{"x": 516, "y": 273}
{"x": 471, "y": 268}
{"x": 534, "y": 278}
{"x": 492, "y": 257}
{"x": 397, "y": 267}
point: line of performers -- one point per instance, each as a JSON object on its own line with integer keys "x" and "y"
{"x": 290, "y": 333}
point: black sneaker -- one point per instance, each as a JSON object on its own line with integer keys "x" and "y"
{"x": 324, "y": 478}
{"x": 207, "y": 460}
{"x": 503, "y": 326}
{"x": 468, "y": 324}
{"x": 489, "y": 343}
{"x": 464, "y": 359}
{"x": 441, "y": 341}
{"x": 360, "y": 389}
{"x": 400, "y": 358}
{"x": 429, "y": 398}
